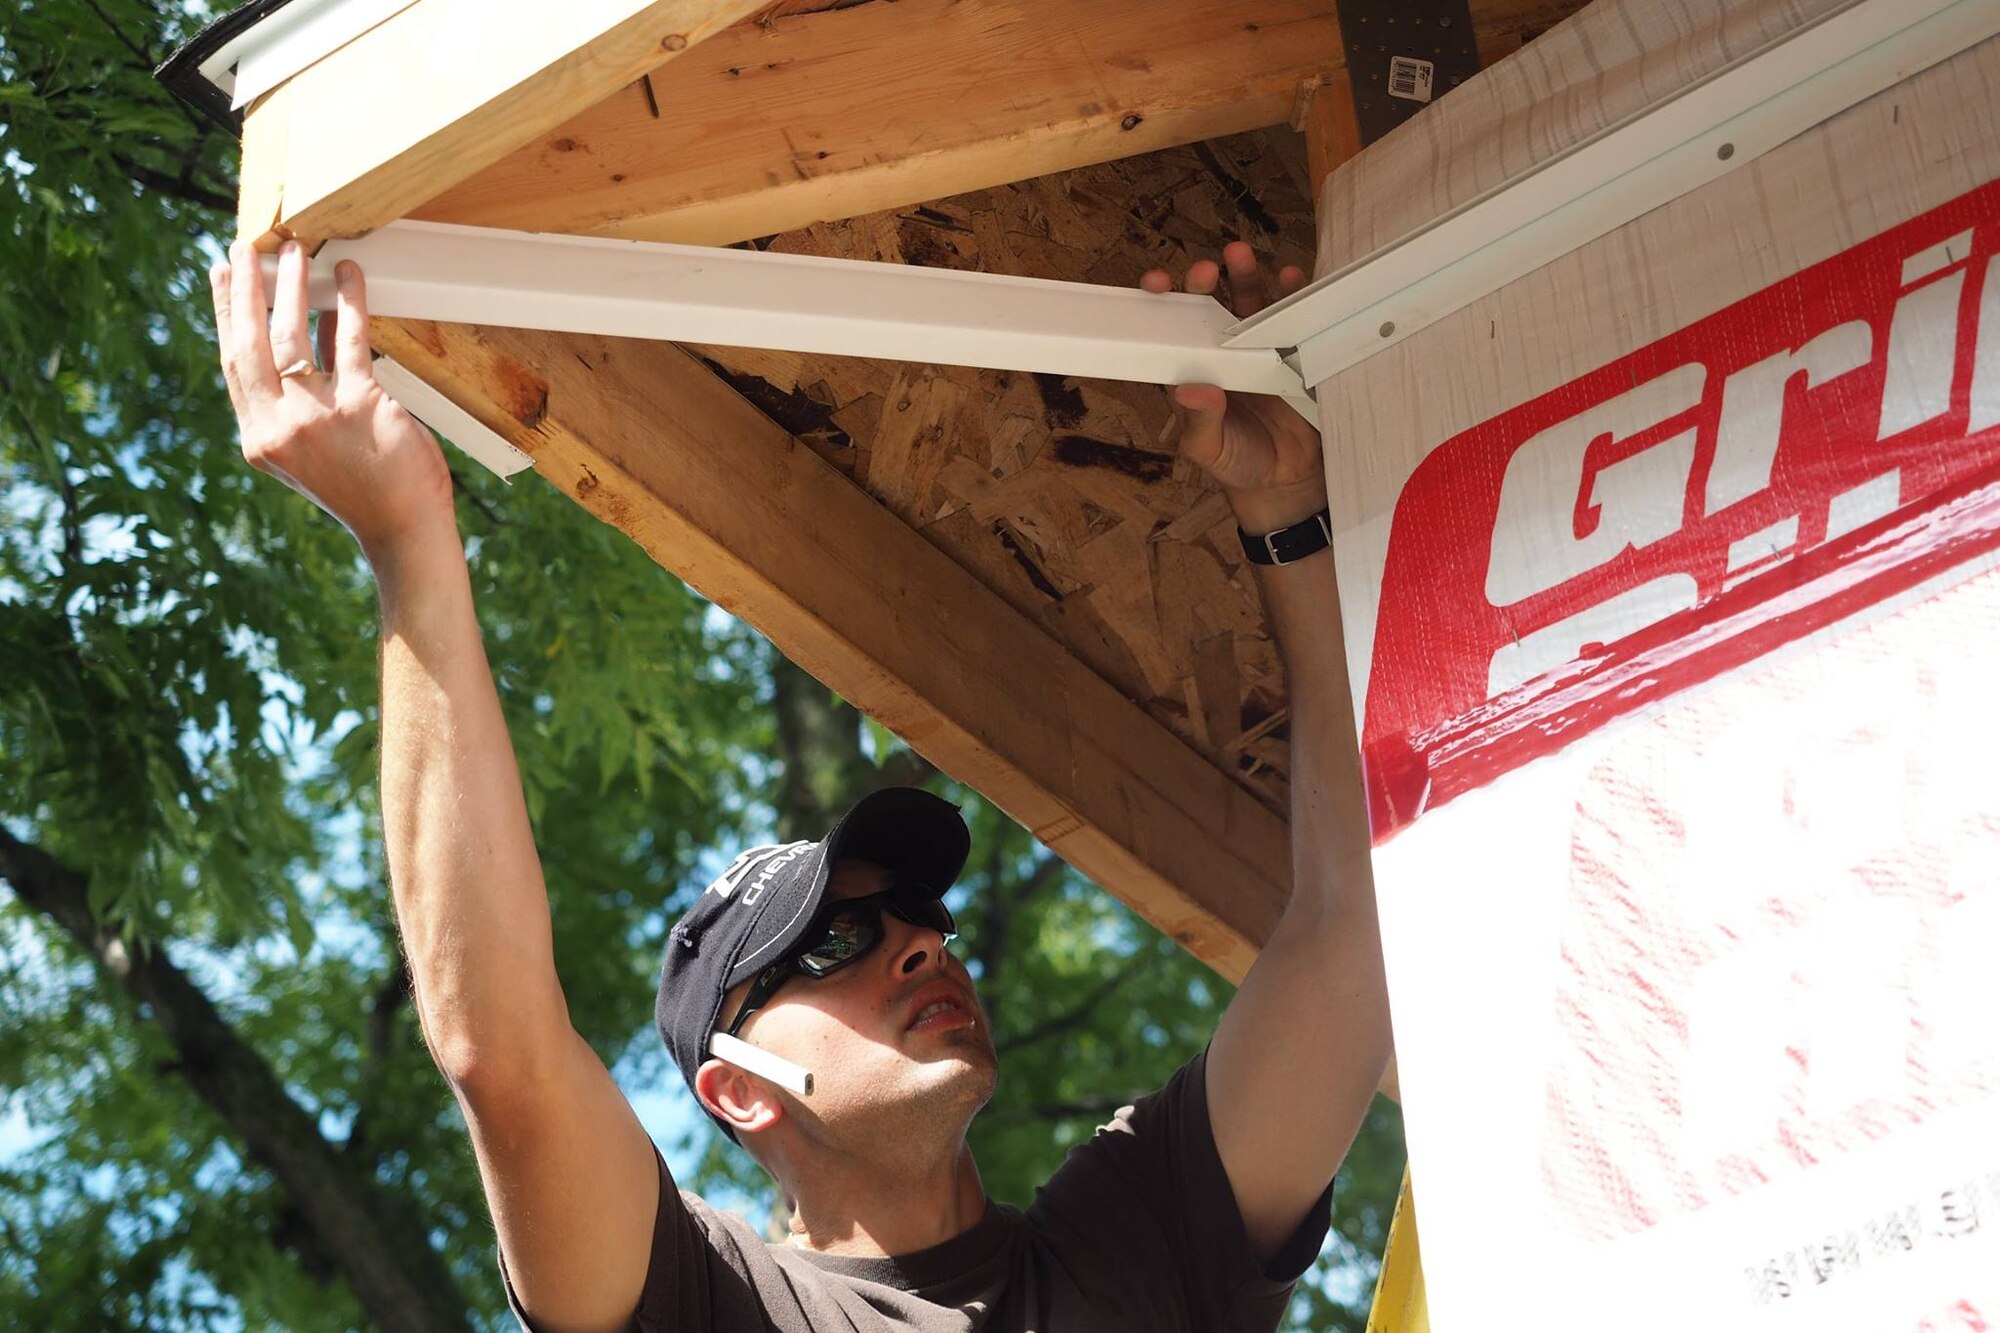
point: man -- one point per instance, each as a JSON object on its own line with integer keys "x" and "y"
{"x": 809, "y": 997}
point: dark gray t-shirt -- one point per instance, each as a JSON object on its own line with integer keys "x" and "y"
{"x": 1137, "y": 1232}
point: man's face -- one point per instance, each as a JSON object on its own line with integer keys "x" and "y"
{"x": 896, "y": 1037}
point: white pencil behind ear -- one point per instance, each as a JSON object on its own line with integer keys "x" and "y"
{"x": 752, "y": 1060}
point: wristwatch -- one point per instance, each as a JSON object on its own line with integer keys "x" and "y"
{"x": 1289, "y": 545}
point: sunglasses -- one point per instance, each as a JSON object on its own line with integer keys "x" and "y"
{"x": 844, "y": 932}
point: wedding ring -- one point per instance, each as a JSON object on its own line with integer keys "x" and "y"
{"x": 302, "y": 366}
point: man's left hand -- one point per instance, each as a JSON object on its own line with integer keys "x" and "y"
{"x": 1264, "y": 455}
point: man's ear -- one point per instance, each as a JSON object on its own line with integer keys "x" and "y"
{"x": 743, "y": 1101}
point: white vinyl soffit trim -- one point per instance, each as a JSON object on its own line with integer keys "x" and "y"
{"x": 1701, "y": 133}
{"x": 799, "y": 303}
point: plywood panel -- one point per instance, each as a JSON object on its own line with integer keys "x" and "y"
{"x": 1064, "y": 496}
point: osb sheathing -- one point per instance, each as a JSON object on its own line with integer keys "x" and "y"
{"x": 1065, "y": 496}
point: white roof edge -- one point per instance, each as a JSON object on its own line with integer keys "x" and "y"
{"x": 289, "y": 39}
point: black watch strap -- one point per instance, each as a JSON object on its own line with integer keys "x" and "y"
{"x": 1288, "y": 545}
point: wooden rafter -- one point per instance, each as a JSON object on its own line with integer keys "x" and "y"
{"x": 436, "y": 92}
{"x": 1333, "y": 133}
{"x": 851, "y": 110}
{"x": 646, "y": 438}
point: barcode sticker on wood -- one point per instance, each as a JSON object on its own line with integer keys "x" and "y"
{"x": 1411, "y": 78}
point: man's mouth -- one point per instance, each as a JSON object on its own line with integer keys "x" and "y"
{"x": 941, "y": 1011}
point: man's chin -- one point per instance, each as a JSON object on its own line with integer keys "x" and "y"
{"x": 968, "y": 1067}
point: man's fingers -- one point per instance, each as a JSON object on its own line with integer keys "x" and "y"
{"x": 249, "y": 325}
{"x": 1201, "y": 408}
{"x": 1248, "y": 287}
{"x": 350, "y": 348}
{"x": 1246, "y": 279}
{"x": 290, "y": 342}
{"x": 218, "y": 291}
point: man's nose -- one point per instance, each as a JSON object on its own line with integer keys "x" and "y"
{"x": 914, "y": 947}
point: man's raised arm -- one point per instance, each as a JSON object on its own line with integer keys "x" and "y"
{"x": 568, "y": 1170}
{"x": 1305, "y": 1042}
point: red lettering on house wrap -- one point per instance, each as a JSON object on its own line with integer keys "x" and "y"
{"x": 1774, "y": 468}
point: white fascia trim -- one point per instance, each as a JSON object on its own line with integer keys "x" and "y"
{"x": 288, "y": 40}
{"x": 800, "y": 303}
{"x": 1647, "y": 160}
{"x": 448, "y": 419}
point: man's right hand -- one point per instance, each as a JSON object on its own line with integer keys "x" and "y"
{"x": 331, "y": 434}
{"x": 571, "y": 1177}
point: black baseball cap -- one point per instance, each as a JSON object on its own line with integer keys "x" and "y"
{"x": 760, "y": 908}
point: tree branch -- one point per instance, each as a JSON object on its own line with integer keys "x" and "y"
{"x": 383, "y": 1006}
{"x": 145, "y": 57}
{"x": 379, "y": 1244}
{"x": 819, "y": 742}
{"x": 907, "y": 768}
{"x": 72, "y": 532}
{"x": 1046, "y": 872}
{"x": 159, "y": 182}
{"x": 390, "y": 996}
{"x": 999, "y": 918}
{"x": 1071, "y": 1018}
{"x": 485, "y": 510}
{"x": 1003, "y": 900}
